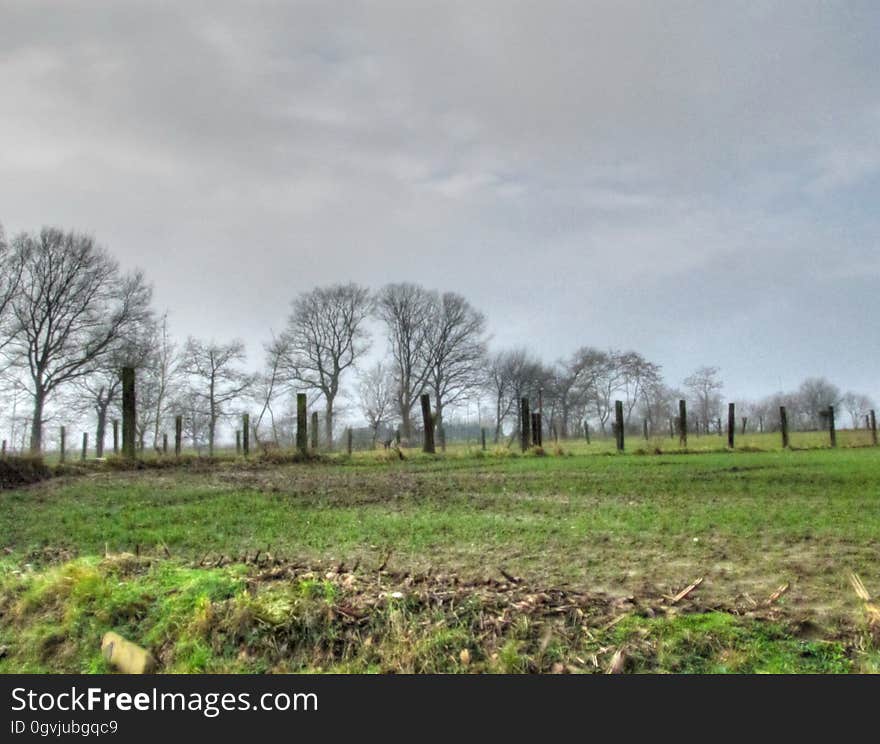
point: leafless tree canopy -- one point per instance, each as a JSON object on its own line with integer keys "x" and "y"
{"x": 71, "y": 306}
{"x": 408, "y": 312}
{"x": 705, "y": 388}
{"x": 376, "y": 396}
{"x": 11, "y": 266}
{"x": 70, "y": 319}
{"x": 456, "y": 352}
{"x": 216, "y": 380}
{"x": 326, "y": 336}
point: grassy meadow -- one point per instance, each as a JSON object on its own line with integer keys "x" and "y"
{"x": 564, "y": 561}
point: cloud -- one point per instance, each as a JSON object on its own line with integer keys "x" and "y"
{"x": 604, "y": 157}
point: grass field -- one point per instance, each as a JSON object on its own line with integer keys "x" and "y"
{"x": 466, "y": 562}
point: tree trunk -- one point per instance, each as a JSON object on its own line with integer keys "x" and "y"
{"x": 100, "y": 431}
{"x": 405, "y": 420}
{"x": 328, "y": 419}
{"x": 438, "y": 423}
{"x": 37, "y": 423}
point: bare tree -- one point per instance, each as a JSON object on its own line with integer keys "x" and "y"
{"x": 216, "y": 378}
{"x": 101, "y": 389}
{"x": 455, "y": 354}
{"x": 514, "y": 374}
{"x": 325, "y": 336}
{"x": 195, "y": 421}
{"x": 162, "y": 366}
{"x": 268, "y": 386}
{"x": 408, "y": 312}
{"x": 11, "y": 266}
{"x": 705, "y": 386}
{"x": 815, "y": 395}
{"x": 496, "y": 382}
{"x": 638, "y": 378}
{"x": 71, "y": 305}
{"x": 376, "y": 394}
{"x": 857, "y": 405}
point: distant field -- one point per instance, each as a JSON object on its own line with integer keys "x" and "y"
{"x": 618, "y": 534}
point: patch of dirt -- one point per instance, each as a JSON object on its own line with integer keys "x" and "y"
{"x": 16, "y": 472}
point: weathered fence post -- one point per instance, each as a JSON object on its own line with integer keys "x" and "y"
{"x": 302, "y": 440}
{"x": 314, "y": 431}
{"x": 783, "y": 425}
{"x": 164, "y": 442}
{"x": 62, "y": 453}
{"x": 397, "y": 436}
{"x": 483, "y": 439}
{"x": 873, "y": 428}
{"x": 534, "y": 423}
{"x": 618, "y": 415}
{"x": 129, "y": 412}
{"x": 428, "y": 424}
{"x": 671, "y": 429}
{"x": 115, "y": 436}
{"x": 831, "y": 430}
{"x": 524, "y": 424}
{"x": 645, "y": 428}
{"x": 246, "y": 433}
{"x": 745, "y": 420}
{"x": 85, "y": 450}
{"x": 237, "y": 442}
{"x": 178, "y": 435}
{"x": 682, "y": 423}
{"x": 731, "y": 424}
{"x": 587, "y": 431}
{"x": 348, "y": 437}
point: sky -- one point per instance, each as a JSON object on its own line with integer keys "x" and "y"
{"x": 698, "y": 181}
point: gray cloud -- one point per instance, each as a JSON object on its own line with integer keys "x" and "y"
{"x": 696, "y": 180}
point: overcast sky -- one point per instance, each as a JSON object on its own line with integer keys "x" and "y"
{"x": 697, "y": 181}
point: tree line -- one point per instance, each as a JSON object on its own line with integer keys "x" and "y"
{"x": 71, "y": 319}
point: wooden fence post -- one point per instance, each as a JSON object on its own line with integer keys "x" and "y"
{"x": 302, "y": 440}
{"x": 85, "y": 450}
{"x": 129, "y": 412}
{"x": 397, "y": 437}
{"x": 62, "y": 453}
{"x": 731, "y": 424}
{"x": 524, "y": 424}
{"x": 178, "y": 435}
{"x": 246, "y": 433}
{"x": 587, "y": 431}
{"x": 115, "y": 436}
{"x": 534, "y": 424}
{"x": 745, "y": 420}
{"x": 314, "y": 431}
{"x": 348, "y": 437}
{"x": 237, "y": 442}
{"x": 831, "y": 430}
{"x": 618, "y": 415}
{"x": 682, "y": 424}
{"x": 873, "y": 428}
{"x": 783, "y": 425}
{"x": 164, "y": 442}
{"x": 428, "y": 424}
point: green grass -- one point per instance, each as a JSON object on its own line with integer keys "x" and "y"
{"x": 635, "y": 524}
